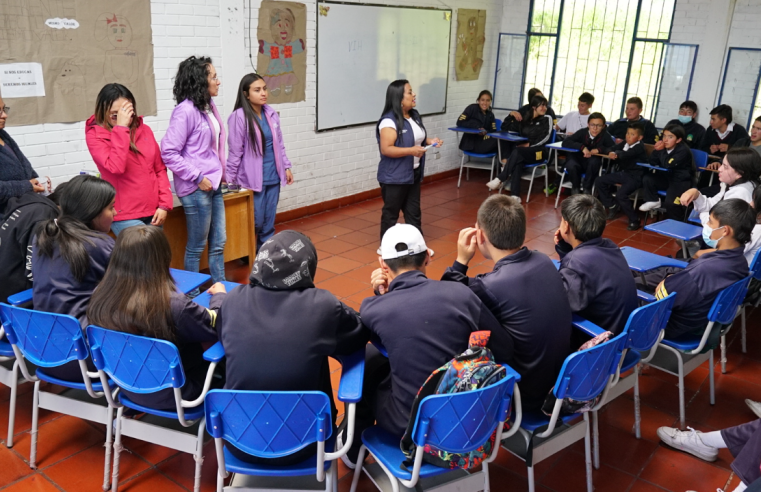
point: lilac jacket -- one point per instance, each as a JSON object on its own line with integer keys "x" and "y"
{"x": 243, "y": 166}
{"x": 187, "y": 148}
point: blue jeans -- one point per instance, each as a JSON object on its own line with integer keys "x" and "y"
{"x": 118, "y": 227}
{"x": 205, "y": 215}
{"x": 265, "y": 208}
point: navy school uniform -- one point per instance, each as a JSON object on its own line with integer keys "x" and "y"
{"x": 697, "y": 286}
{"x": 194, "y": 325}
{"x": 694, "y": 132}
{"x": 538, "y": 132}
{"x": 711, "y": 137}
{"x": 618, "y": 129}
{"x": 675, "y": 181}
{"x": 423, "y": 324}
{"x": 476, "y": 119}
{"x": 55, "y": 290}
{"x": 598, "y": 282}
{"x": 628, "y": 175}
{"x": 576, "y": 164}
{"x": 526, "y": 294}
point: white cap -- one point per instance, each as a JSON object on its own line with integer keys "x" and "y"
{"x": 402, "y": 233}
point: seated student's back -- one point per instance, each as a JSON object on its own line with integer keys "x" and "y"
{"x": 728, "y": 230}
{"x": 525, "y": 293}
{"x": 595, "y": 274}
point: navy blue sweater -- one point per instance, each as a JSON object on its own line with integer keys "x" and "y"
{"x": 15, "y": 170}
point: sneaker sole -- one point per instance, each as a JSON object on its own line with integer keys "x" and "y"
{"x": 669, "y": 441}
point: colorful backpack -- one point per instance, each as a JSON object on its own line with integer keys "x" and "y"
{"x": 473, "y": 369}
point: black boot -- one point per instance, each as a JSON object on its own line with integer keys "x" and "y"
{"x": 613, "y": 211}
{"x": 633, "y": 226}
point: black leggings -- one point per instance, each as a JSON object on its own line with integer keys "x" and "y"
{"x": 514, "y": 167}
{"x": 401, "y": 198}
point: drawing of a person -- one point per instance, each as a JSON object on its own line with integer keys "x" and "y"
{"x": 120, "y": 63}
{"x": 470, "y": 44}
{"x": 279, "y": 71}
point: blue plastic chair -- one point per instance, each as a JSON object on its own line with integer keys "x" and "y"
{"x": 9, "y": 376}
{"x": 755, "y": 269}
{"x": 530, "y": 171}
{"x": 475, "y": 165}
{"x": 644, "y": 329}
{"x": 700, "y": 159}
{"x": 584, "y": 376}
{"x": 276, "y": 424}
{"x": 51, "y": 340}
{"x": 147, "y": 365}
{"x": 690, "y": 351}
{"x": 455, "y": 422}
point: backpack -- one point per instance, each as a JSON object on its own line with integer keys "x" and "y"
{"x": 569, "y": 404}
{"x": 473, "y": 369}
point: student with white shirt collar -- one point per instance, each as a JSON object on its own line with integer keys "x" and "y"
{"x": 401, "y": 137}
{"x": 723, "y": 134}
{"x": 576, "y": 120}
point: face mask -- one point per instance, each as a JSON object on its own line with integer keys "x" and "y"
{"x": 707, "y": 231}
{"x": 683, "y": 119}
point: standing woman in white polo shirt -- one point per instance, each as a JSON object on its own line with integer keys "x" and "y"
{"x": 401, "y": 137}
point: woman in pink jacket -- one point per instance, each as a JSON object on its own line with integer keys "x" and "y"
{"x": 128, "y": 157}
{"x": 257, "y": 159}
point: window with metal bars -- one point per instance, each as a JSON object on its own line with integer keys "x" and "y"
{"x": 613, "y": 49}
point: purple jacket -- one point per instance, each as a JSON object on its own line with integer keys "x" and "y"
{"x": 243, "y": 166}
{"x": 188, "y": 150}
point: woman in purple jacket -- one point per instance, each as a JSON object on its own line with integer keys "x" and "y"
{"x": 194, "y": 149}
{"x": 257, "y": 159}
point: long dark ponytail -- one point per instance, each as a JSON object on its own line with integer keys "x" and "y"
{"x": 83, "y": 200}
{"x": 242, "y": 102}
{"x": 394, "y": 96}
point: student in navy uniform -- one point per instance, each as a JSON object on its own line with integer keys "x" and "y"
{"x": 723, "y": 133}
{"x": 592, "y": 142}
{"x": 533, "y": 92}
{"x": 628, "y": 174}
{"x": 633, "y": 115}
{"x": 282, "y": 326}
{"x": 677, "y": 158}
{"x": 693, "y": 131}
{"x": 727, "y": 231}
{"x": 421, "y": 323}
{"x": 71, "y": 253}
{"x": 595, "y": 274}
{"x": 518, "y": 291}
{"x": 22, "y": 215}
{"x": 478, "y": 116}
{"x": 138, "y": 296}
{"x": 536, "y": 126}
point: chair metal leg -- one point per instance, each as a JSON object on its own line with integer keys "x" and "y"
{"x": 12, "y": 408}
{"x": 199, "y": 455}
{"x": 546, "y": 179}
{"x": 531, "y": 485}
{"x": 724, "y": 354}
{"x": 710, "y": 377}
{"x": 485, "y": 471}
{"x": 637, "y": 415}
{"x": 220, "y": 482}
{"x": 462, "y": 163}
{"x": 117, "y": 451}
{"x": 35, "y": 420}
{"x": 109, "y": 438}
{"x": 531, "y": 183}
{"x": 491, "y": 170}
{"x": 560, "y": 189}
{"x": 588, "y": 455}
{"x": 595, "y": 441}
{"x": 681, "y": 394}
{"x": 329, "y": 478}
{"x": 358, "y": 469}
{"x": 743, "y": 335}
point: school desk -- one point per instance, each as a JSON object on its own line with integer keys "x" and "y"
{"x": 644, "y": 261}
{"x": 677, "y": 230}
{"x": 508, "y": 137}
{"x": 204, "y": 298}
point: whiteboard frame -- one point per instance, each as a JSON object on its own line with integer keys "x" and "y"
{"x": 317, "y": 59}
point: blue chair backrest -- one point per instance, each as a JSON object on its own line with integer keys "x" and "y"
{"x": 45, "y": 339}
{"x": 268, "y": 424}
{"x": 462, "y": 422}
{"x": 135, "y": 363}
{"x": 645, "y": 323}
{"x": 584, "y": 374}
{"x": 700, "y": 158}
{"x": 726, "y": 303}
{"x": 755, "y": 265}
{"x": 498, "y": 122}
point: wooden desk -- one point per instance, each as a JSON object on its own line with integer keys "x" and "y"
{"x": 239, "y": 221}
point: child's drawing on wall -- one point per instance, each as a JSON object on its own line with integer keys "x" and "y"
{"x": 120, "y": 64}
{"x": 282, "y": 27}
{"x": 471, "y": 25}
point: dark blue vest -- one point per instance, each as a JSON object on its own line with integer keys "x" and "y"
{"x": 400, "y": 170}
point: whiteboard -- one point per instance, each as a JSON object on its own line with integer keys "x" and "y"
{"x": 361, "y": 49}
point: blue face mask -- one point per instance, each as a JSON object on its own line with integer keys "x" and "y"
{"x": 707, "y": 231}
{"x": 684, "y": 119}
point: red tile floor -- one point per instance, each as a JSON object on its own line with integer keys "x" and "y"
{"x": 70, "y": 453}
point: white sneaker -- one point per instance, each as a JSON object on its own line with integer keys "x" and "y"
{"x": 494, "y": 184}
{"x": 648, "y": 206}
{"x": 755, "y": 407}
{"x": 688, "y": 441}
{"x": 344, "y": 458}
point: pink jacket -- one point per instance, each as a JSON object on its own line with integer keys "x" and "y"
{"x": 140, "y": 180}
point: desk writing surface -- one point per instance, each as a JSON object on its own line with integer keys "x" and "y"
{"x": 508, "y": 136}
{"x": 676, "y": 229}
{"x": 464, "y": 130}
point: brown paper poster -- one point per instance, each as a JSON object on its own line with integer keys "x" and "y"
{"x": 282, "y": 50}
{"x": 56, "y": 55}
{"x": 471, "y": 26}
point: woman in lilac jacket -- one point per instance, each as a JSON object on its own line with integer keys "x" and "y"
{"x": 193, "y": 148}
{"x": 257, "y": 159}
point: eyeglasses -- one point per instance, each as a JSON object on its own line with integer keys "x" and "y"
{"x": 5, "y": 109}
{"x": 595, "y": 125}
